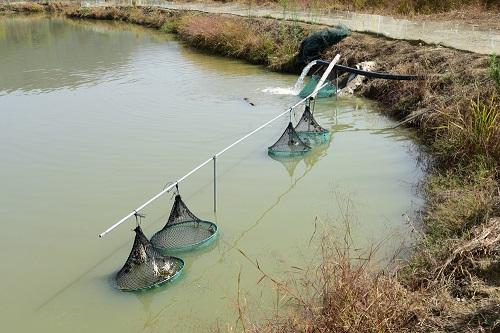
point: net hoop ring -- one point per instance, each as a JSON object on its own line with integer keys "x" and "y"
{"x": 282, "y": 153}
{"x": 160, "y": 283}
{"x": 311, "y": 137}
{"x": 191, "y": 246}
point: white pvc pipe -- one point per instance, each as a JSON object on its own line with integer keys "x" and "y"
{"x": 135, "y": 211}
{"x": 325, "y": 75}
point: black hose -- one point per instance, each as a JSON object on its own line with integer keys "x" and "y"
{"x": 377, "y": 75}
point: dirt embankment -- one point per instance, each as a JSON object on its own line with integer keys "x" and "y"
{"x": 452, "y": 281}
{"x": 484, "y": 13}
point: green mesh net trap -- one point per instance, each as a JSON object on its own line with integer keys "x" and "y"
{"x": 327, "y": 91}
{"x": 289, "y": 144}
{"x": 309, "y": 130}
{"x": 145, "y": 268}
{"x": 183, "y": 230}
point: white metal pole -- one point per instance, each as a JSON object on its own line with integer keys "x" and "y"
{"x": 215, "y": 183}
{"x": 325, "y": 75}
{"x": 135, "y": 211}
{"x": 336, "y": 84}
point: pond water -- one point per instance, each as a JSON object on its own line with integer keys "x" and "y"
{"x": 95, "y": 119}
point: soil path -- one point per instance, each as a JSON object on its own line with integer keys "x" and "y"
{"x": 463, "y": 36}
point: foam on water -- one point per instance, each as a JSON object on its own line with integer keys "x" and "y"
{"x": 280, "y": 91}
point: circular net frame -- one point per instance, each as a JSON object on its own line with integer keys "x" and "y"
{"x": 145, "y": 268}
{"x": 289, "y": 144}
{"x": 183, "y": 230}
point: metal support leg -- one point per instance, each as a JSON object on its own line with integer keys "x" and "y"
{"x": 336, "y": 84}
{"x": 215, "y": 183}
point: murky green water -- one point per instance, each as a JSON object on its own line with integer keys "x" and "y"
{"x": 96, "y": 117}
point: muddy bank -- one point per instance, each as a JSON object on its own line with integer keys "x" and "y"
{"x": 454, "y": 273}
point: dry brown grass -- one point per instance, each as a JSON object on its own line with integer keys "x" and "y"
{"x": 467, "y": 254}
{"x": 259, "y": 41}
{"x": 26, "y": 7}
{"x": 149, "y": 17}
{"x": 458, "y": 204}
{"x": 344, "y": 292}
{"x": 227, "y": 36}
{"x": 463, "y": 122}
{"x": 347, "y": 292}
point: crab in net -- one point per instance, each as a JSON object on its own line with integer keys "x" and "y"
{"x": 289, "y": 144}
{"x": 145, "y": 268}
{"x": 309, "y": 130}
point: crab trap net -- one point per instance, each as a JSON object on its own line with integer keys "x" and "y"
{"x": 145, "y": 268}
{"x": 328, "y": 90}
{"x": 289, "y": 144}
{"x": 184, "y": 230}
{"x": 309, "y": 130}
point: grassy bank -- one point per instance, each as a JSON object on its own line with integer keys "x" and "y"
{"x": 452, "y": 281}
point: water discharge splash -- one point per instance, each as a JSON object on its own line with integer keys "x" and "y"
{"x": 295, "y": 90}
{"x": 280, "y": 91}
{"x": 300, "y": 82}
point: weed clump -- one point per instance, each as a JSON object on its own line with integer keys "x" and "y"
{"x": 344, "y": 292}
{"x": 495, "y": 70}
{"x": 472, "y": 133}
{"x": 25, "y": 7}
{"x": 169, "y": 26}
{"x": 260, "y": 42}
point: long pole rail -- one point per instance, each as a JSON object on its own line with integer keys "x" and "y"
{"x": 211, "y": 159}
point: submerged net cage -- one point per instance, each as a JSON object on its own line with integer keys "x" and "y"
{"x": 146, "y": 268}
{"x": 289, "y": 144}
{"x": 327, "y": 91}
{"x": 309, "y": 130}
{"x": 183, "y": 231}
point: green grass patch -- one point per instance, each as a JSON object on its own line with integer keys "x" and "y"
{"x": 170, "y": 26}
{"x": 494, "y": 69}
